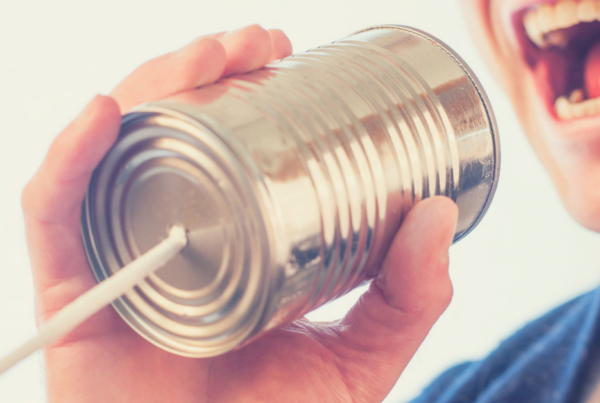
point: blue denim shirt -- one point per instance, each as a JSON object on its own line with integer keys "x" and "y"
{"x": 555, "y": 358}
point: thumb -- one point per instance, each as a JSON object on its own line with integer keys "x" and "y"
{"x": 55, "y": 192}
{"x": 384, "y": 329}
{"x": 52, "y": 205}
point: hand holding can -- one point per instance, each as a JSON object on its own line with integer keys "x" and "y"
{"x": 291, "y": 181}
{"x": 104, "y": 358}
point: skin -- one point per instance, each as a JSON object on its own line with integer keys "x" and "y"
{"x": 358, "y": 358}
{"x": 569, "y": 150}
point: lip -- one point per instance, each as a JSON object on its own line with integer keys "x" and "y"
{"x": 580, "y": 129}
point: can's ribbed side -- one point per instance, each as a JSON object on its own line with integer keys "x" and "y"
{"x": 373, "y": 140}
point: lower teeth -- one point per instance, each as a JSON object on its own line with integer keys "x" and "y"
{"x": 576, "y": 97}
{"x": 576, "y": 107}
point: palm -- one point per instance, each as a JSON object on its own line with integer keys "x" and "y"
{"x": 356, "y": 359}
{"x": 293, "y": 363}
{"x": 286, "y": 365}
{"x": 282, "y": 366}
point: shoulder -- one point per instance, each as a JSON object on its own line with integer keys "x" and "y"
{"x": 544, "y": 361}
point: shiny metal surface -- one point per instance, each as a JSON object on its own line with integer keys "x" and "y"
{"x": 291, "y": 180}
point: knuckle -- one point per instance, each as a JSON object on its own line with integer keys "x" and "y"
{"x": 442, "y": 293}
{"x": 444, "y": 263}
{"x": 256, "y": 29}
{"x": 445, "y": 295}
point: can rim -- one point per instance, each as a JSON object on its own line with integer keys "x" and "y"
{"x": 141, "y": 324}
{"x": 482, "y": 96}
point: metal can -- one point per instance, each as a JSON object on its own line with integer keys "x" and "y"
{"x": 291, "y": 181}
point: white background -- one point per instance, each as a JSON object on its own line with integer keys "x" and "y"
{"x": 526, "y": 257}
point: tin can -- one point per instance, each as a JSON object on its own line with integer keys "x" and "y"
{"x": 291, "y": 181}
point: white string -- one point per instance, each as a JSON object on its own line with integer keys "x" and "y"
{"x": 101, "y": 295}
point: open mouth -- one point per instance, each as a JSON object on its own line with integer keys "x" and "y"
{"x": 561, "y": 43}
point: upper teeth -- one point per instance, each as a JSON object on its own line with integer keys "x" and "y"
{"x": 564, "y": 14}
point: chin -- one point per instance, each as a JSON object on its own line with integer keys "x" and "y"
{"x": 582, "y": 199}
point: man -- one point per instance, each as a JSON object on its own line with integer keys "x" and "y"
{"x": 360, "y": 358}
{"x": 546, "y": 57}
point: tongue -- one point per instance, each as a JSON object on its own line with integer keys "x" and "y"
{"x": 592, "y": 72}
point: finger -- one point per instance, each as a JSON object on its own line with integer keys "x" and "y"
{"x": 247, "y": 48}
{"x": 383, "y": 330}
{"x": 52, "y": 201}
{"x": 202, "y": 62}
{"x": 415, "y": 269}
{"x": 281, "y": 46}
{"x": 199, "y": 63}
{"x": 55, "y": 193}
